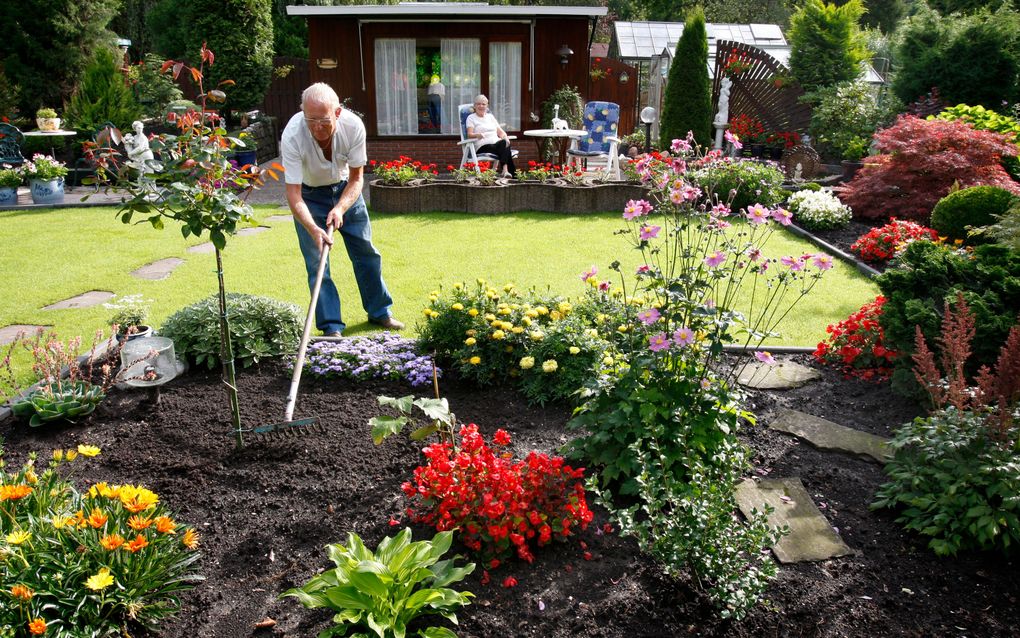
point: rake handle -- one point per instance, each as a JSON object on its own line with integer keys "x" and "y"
{"x": 299, "y": 364}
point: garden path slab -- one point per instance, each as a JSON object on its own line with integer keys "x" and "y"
{"x": 158, "y": 269}
{"x": 244, "y": 232}
{"x": 827, "y": 435}
{"x": 201, "y": 249}
{"x": 84, "y": 300}
{"x": 811, "y": 537}
{"x": 783, "y": 376}
{"x": 280, "y": 218}
{"x": 10, "y": 333}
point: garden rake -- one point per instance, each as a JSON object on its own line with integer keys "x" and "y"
{"x": 288, "y": 424}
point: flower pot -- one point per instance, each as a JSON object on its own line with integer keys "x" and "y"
{"x": 48, "y": 123}
{"x": 247, "y": 157}
{"x": 757, "y": 150}
{"x": 8, "y": 196}
{"x": 140, "y": 332}
{"x": 850, "y": 169}
{"x": 47, "y": 191}
{"x": 776, "y": 153}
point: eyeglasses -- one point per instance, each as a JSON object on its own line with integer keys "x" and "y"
{"x": 318, "y": 121}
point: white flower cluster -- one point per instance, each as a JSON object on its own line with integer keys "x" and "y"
{"x": 818, "y": 210}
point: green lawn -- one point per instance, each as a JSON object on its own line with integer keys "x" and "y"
{"x": 50, "y": 255}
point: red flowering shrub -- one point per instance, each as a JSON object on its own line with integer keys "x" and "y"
{"x": 748, "y": 129}
{"x": 498, "y": 505}
{"x": 920, "y": 161}
{"x": 402, "y": 170}
{"x": 882, "y": 244}
{"x": 856, "y": 344}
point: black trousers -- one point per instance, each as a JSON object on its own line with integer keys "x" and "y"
{"x": 500, "y": 149}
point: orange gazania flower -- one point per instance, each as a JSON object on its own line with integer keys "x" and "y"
{"x": 102, "y": 489}
{"x": 165, "y": 525}
{"x": 138, "y": 544}
{"x": 14, "y": 492}
{"x": 136, "y": 499}
{"x": 37, "y": 627}
{"x": 111, "y": 542}
{"x": 20, "y": 592}
{"x": 138, "y": 523}
{"x": 190, "y": 539}
{"x": 97, "y": 519}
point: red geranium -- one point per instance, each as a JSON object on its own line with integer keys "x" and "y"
{"x": 883, "y": 243}
{"x": 857, "y": 345}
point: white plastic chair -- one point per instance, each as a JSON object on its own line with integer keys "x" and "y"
{"x": 469, "y": 146}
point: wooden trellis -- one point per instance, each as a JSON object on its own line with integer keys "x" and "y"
{"x": 764, "y": 91}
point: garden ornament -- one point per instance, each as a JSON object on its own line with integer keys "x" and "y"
{"x": 557, "y": 123}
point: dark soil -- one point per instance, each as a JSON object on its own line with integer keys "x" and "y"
{"x": 266, "y": 512}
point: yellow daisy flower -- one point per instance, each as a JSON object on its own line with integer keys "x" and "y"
{"x": 100, "y": 580}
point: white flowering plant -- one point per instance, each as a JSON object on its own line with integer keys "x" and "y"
{"x": 819, "y": 210}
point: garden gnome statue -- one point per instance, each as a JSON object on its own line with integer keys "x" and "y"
{"x": 722, "y": 122}
{"x": 557, "y": 123}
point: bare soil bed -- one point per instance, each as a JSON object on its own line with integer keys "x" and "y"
{"x": 266, "y": 512}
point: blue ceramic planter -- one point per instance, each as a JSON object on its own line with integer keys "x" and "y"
{"x": 47, "y": 191}
{"x": 8, "y": 196}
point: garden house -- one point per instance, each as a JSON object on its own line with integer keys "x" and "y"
{"x": 406, "y": 68}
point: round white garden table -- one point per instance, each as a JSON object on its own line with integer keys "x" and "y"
{"x": 560, "y": 138}
{"x": 57, "y": 133}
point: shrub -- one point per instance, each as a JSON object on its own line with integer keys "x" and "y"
{"x": 983, "y": 119}
{"x": 259, "y": 328}
{"x": 386, "y": 590}
{"x": 378, "y": 356}
{"x": 403, "y": 170}
{"x": 155, "y": 91}
{"x": 845, "y": 116}
{"x": 856, "y": 345}
{"x": 920, "y": 162}
{"x": 826, "y": 44}
{"x": 751, "y": 182}
{"x": 10, "y": 177}
{"x": 687, "y": 104}
{"x": 87, "y": 564}
{"x": 1006, "y": 230}
{"x": 498, "y": 506}
{"x": 818, "y": 210}
{"x": 930, "y": 274}
{"x": 973, "y": 207}
{"x": 103, "y": 95}
{"x": 883, "y": 243}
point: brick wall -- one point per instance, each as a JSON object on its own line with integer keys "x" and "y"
{"x": 441, "y": 151}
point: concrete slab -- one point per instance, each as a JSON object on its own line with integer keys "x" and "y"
{"x": 280, "y": 218}
{"x": 202, "y": 249}
{"x": 158, "y": 269}
{"x": 811, "y": 537}
{"x": 11, "y": 332}
{"x": 244, "y": 232}
{"x": 783, "y": 376}
{"x": 84, "y": 300}
{"x": 827, "y": 435}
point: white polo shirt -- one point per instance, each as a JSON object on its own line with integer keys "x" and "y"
{"x": 303, "y": 160}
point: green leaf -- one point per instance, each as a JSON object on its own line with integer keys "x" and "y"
{"x": 403, "y": 403}
{"x": 424, "y": 432}
{"x": 366, "y": 577}
{"x": 218, "y": 239}
{"x": 438, "y": 409}
{"x": 437, "y": 632}
{"x": 385, "y": 426}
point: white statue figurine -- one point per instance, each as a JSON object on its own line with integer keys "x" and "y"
{"x": 137, "y": 147}
{"x": 723, "y": 114}
{"x": 557, "y": 123}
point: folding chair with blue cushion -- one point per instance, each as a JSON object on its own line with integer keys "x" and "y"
{"x": 469, "y": 147}
{"x": 11, "y": 140}
{"x": 601, "y": 120}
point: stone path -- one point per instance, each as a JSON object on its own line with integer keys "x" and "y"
{"x": 827, "y": 435}
{"x": 10, "y": 333}
{"x": 811, "y": 537}
{"x": 783, "y": 376}
{"x": 84, "y": 300}
{"x": 158, "y": 269}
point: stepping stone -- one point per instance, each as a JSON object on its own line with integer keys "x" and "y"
{"x": 784, "y": 376}
{"x": 244, "y": 232}
{"x": 811, "y": 537}
{"x": 827, "y": 435}
{"x": 158, "y": 269}
{"x": 10, "y": 333}
{"x": 280, "y": 218}
{"x": 84, "y": 300}
{"x": 203, "y": 249}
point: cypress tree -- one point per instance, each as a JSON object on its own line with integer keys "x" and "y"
{"x": 102, "y": 96}
{"x": 688, "y": 101}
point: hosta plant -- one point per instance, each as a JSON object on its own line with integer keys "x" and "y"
{"x": 380, "y": 593}
{"x": 87, "y": 563}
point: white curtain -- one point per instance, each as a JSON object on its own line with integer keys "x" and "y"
{"x": 461, "y": 62}
{"x": 505, "y": 83}
{"x": 396, "y": 96}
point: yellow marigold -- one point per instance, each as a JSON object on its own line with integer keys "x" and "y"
{"x": 190, "y": 539}
{"x": 591, "y": 332}
{"x": 505, "y": 311}
{"x": 457, "y": 306}
{"x": 575, "y": 350}
{"x": 111, "y": 542}
{"x": 165, "y": 525}
{"x": 481, "y": 282}
{"x": 531, "y": 313}
{"x": 506, "y": 325}
{"x": 426, "y": 312}
{"x": 471, "y": 333}
{"x": 97, "y": 519}
{"x": 508, "y": 287}
{"x": 537, "y": 335}
{"x": 490, "y": 317}
{"x": 137, "y": 499}
{"x": 526, "y": 321}
{"x": 473, "y": 312}
{"x": 517, "y": 330}
{"x": 475, "y": 360}
{"x": 88, "y": 450}
{"x": 433, "y": 314}
{"x": 138, "y": 523}
{"x": 555, "y": 315}
{"x": 550, "y": 365}
{"x": 542, "y": 310}
{"x": 22, "y": 593}
{"x": 138, "y": 544}
{"x": 498, "y": 334}
{"x": 527, "y": 363}
{"x": 470, "y": 341}
{"x": 564, "y": 307}
{"x": 71, "y": 455}
{"x": 37, "y": 627}
{"x": 18, "y": 537}
{"x": 101, "y": 580}
{"x": 607, "y": 361}
{"x": 30, "y": 477}
{"x": 14, "y": 492}
{"x": 623, "y": 328}
{"x": 58, "y": 455}
{"x": 458, "y": 285}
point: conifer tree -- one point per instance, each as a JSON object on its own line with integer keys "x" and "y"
{"x": 688, "y": 100}
{"x": 826, "y": 43}
{"x": 102, "y": 96}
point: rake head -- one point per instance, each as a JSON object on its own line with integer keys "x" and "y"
{"x": 287, "y": 429}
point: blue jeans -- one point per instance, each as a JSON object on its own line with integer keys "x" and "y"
{"x": 367, "y": 262}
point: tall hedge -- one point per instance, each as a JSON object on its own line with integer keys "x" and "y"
{"x": 102, "y": 96}
{"x": 688, "y": 101}
{"x": 826, "y": 43}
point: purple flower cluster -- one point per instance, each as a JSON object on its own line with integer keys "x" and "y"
{"x": 382, "y": 355}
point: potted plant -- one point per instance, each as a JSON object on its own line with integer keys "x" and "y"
{"x": 46, "y": 119}
{"x": 45, "y": 179}
{"x": 856, "y": 148}
{"x": 130, "y": 314}
{"x": 10, "y": 180}
{"x": 246, "y": 153}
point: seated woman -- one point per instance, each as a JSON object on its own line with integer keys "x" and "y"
{"x": 481, "y": 125}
